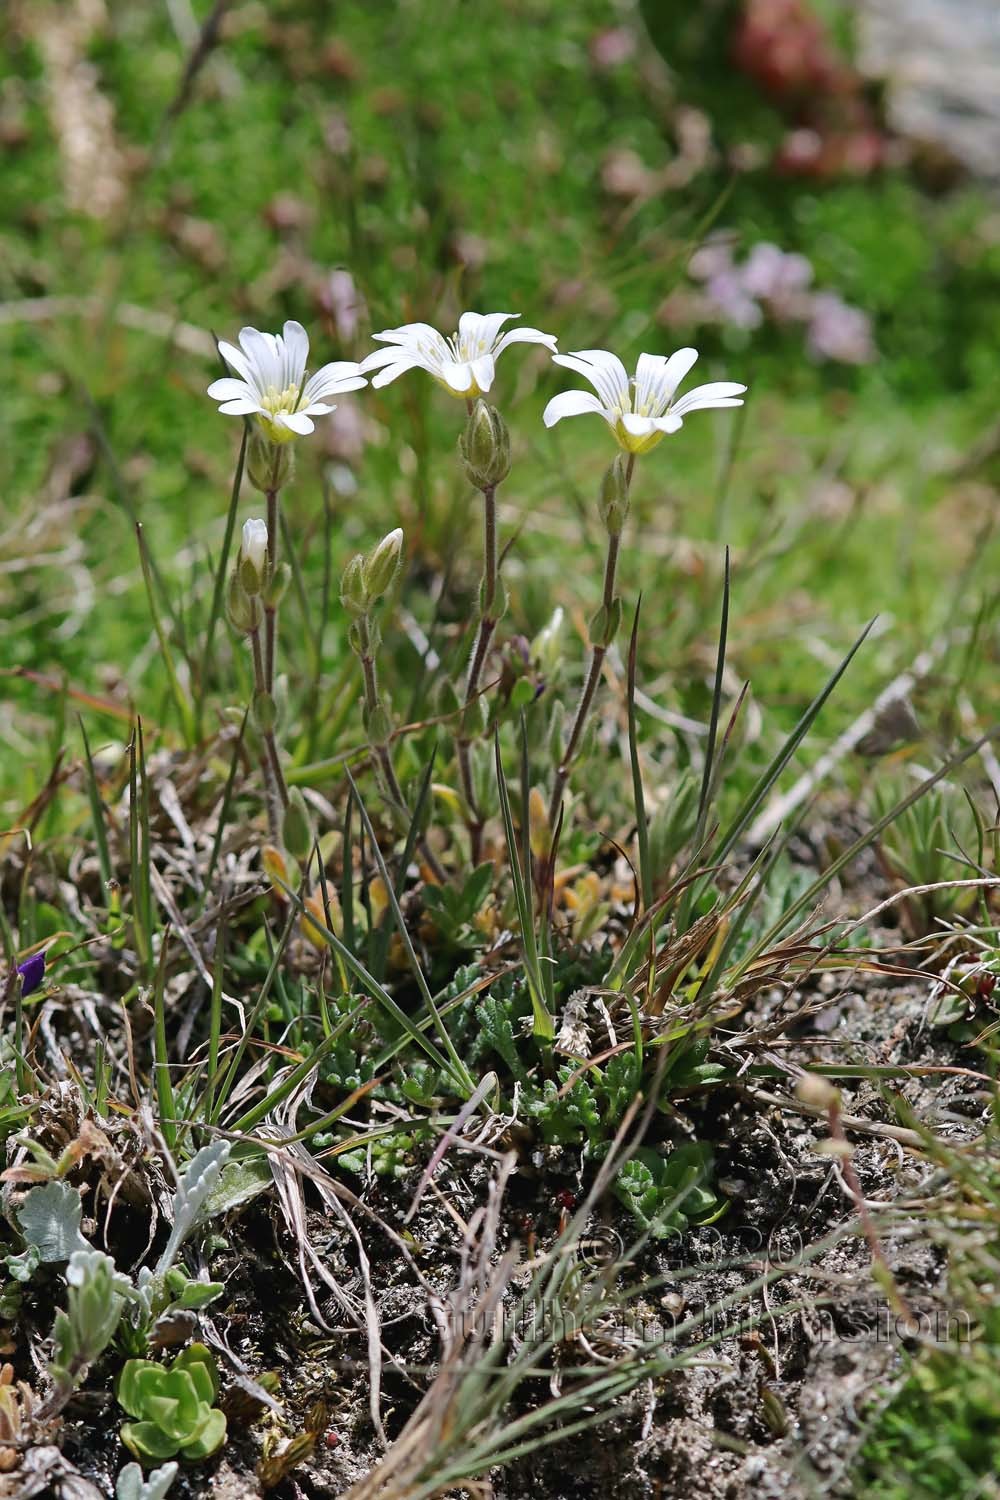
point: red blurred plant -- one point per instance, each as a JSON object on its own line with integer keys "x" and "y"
{"x": 788, "y": 52}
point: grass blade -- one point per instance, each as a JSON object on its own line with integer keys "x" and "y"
{"x": 181, "y": 700}
{"x": 544, "y": 1026}
{"x": 704, "y": 799}
{"x": 457, "y": 1068}
{"x": 764, "y": 783}
{"x": 96, "y": 811}
{"x": 166, "y": 1104}
{"x": 218, "y": 592}
{"x": 638, "y": 796}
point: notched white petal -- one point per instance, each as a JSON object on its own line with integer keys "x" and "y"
{"x": 228, "y": 389}
{"x": 242, "y": 406}
{"x": 295, "y": 352}
{"x": 457, "y": 376}
{"x": 526, "y": 336}
{"x": 296, "y": 421}
{"x": 571, "y": 404}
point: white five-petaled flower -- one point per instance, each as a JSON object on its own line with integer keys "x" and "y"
{"x": 269, "y": 382}
{"x": 642, "y": 410}
{"x": 464, "y": 364}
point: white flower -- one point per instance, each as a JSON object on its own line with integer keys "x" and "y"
{"x": 464, "y": 364}
{"x": 639, "y": 411}
{"x": 271, "y": 384}
{"x": 254, "y": 549}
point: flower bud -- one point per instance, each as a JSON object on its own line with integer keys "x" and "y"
{"x": 244, "y": 612}
{"x": 475, "y": 718}
{"x": 253, "y": 556}
{"x": 382, "y": 565}
{"x": 353, "y": 589}
{"x": 32, "y": 973}
{"x": 378, "y": 724}
{"x": 614, "y": 499}
{"x": 277, "y": 588}
{"x": 296, "y": 826}
{"x": 546, "y": 648}
{"x": 814, "y": 1091}
{"x": 539, "y": 832}
{"x": 605, "y": 623}
{"x": 484, "y": 447}
{"x": 268, "y": 465}
{"x": 493, "y": 609}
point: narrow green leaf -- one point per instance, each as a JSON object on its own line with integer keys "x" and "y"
{"x": 544, "y": 1026}
{"x": 96, "y": 811}
{"x": 638, "y": 795}
{"x": 181, "y": 701}
{"x": 219, "y": 590}
{"x": 764, "y": 783}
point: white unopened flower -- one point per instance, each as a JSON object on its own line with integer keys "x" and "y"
{"x": 464, "y": 364}
{"x": 255, "y": 543}
{"x": 642, "y": 410}
{"x": 269, "y": 382}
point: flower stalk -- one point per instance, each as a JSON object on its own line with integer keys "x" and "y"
{"x": 614, "y": 505}
{"x": 254, "y": 590}
{"x": 364, "y": 582}
{"x": 270, "y": 604}
{"x": 484, "y": 451}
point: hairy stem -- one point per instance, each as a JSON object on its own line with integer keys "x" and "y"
{"x": 484, "y": 635}
{"x": 276, "y": 792}
{"x": 598, "y": 652}
{"x": 271, "y": 610}
{"x": 385, "y": 769}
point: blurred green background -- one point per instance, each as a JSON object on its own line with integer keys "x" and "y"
{"x": 174, "y": 170}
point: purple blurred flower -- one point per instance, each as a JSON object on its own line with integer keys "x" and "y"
{"x": 731, "y": 300}
{"x": 776, "y": 284}
{"x": 32, "y": 973}
{"x": 776, "y": 277}
{"x": 839, "y": 331}
{"x": 612, "y": 47}
{"x": 714, "y": 258}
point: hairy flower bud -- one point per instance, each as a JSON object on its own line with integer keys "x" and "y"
{"x": 268, "y": 465}
{"x": 243, "y": 610}
{"x": 378, "y": 724}
{"x": 614, "y": 500}
{"x": 253, "y": 556}
{"x": 546, "y": 648}
{"x": 604, "y": 625}
{"x": 277, "y": 588}
{"x": 353, "y": 589}
{"x": 296, "y": 827}
{"x": 484, "y": 447}
{"x": 382, "y": 565}
{"x": 814, "y": 1090}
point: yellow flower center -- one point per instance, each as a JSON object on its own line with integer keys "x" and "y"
{"x": 471, "y": 394}
{"x": 279, "y": 404}
{"x": 637, "y": 442}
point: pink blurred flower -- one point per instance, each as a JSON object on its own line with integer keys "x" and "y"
{"x": 838, "y": 331}
{"x": 611, "y": 48}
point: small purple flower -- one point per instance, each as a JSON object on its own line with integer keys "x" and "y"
{"x": 32, "y": 973}
{"x": 732, "y": 303}
{"x": 838, "y": 331}
{"x": 775, "y": 275}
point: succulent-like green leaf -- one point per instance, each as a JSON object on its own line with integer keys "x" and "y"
{"x": 145, "y": 1440}
{"x": 174, "y": 1406}
{"x": 210, "y": 1438}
